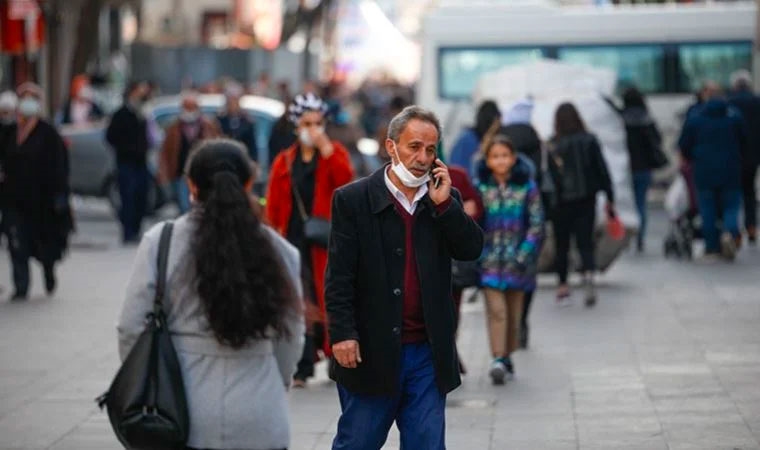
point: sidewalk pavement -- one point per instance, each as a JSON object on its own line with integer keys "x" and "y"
{"x": 668, "y": 359}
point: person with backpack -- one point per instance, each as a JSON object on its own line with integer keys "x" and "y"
{"x": 232, "y": 304}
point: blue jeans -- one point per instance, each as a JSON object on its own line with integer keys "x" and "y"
{"x": 418, "y": 409}
{"x": 182, "y": 194}
{"x": 710, "y": 200}
{"x": 134, "y": 181}
{"x": 641, "y": 182}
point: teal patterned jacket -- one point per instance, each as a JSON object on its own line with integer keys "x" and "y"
{"x": 514, "y": 230}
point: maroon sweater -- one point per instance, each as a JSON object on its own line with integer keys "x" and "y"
{"x": 413, "y": 317}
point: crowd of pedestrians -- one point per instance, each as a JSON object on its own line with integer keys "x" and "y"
{"x": 363, "y": 266}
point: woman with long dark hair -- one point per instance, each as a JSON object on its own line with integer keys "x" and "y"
{"x": 232, "y": 303}
{"x": 580, "y": 172}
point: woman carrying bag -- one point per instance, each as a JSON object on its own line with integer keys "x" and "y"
{"x": 301, "y": 185}
{"x": 232, "y": 307}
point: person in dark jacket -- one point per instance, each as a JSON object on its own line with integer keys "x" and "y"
{"x": 644, "y": 142}
{"x": 713, "y": 140}
{"x": 748, "y": 104}
{"x": 128, "y": 136}
{"x": 467, "y": 146}
{"x": 388, "y": 291}
{"x": 517, "y": 127}
{"x": 580, "y": 172}
{"x": 37, "y": 218}
{"x": 282, "y": 138}
{"x": 235, "y": 123}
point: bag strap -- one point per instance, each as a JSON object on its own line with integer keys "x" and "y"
{"x": 163, "y": 259}
{"x": 299, "y": 200}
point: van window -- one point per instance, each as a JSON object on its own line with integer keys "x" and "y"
{"x": 712, "y": 61}
{"x": 641, "y": 65}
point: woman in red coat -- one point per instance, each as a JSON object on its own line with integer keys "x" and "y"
{"x": 301, "y": 185}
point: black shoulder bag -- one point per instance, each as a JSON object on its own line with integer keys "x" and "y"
{"x": 316, "y": 230}
{"x": 146, "y": 402}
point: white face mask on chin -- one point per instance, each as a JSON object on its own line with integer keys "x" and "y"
{"x": 407, "y": 178}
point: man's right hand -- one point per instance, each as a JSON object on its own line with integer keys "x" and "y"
{"x": 347, "y": 353}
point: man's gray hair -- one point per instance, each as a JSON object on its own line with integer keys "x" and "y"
{"x": 401, "y": 120}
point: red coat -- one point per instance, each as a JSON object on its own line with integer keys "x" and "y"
{"x": 331, "y": 173}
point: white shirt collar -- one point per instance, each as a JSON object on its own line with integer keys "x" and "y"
{"x": 398, "y": 195}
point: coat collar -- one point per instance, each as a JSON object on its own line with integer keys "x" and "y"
{"x": 380, "y": 197}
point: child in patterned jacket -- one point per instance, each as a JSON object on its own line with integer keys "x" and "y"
{"x": 514, "y": 228}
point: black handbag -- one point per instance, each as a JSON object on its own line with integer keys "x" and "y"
{"x": 146, "y": 402}
{"x": 316, "y": 230}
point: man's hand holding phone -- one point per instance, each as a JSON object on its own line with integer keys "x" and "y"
{"x": 440, "y": 183}
{"x": 347, "y": 353}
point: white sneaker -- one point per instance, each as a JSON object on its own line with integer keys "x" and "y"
{"x": 728, "y": 246}
{"x": 498, "y": 372}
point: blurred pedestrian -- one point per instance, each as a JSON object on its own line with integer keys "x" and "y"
{"x": 37, "y": 218}
{"x": 644, "y": 144}
{"x": 190, "y": 128}
{"x": 343, "y": 130}
{"x": 514, "y": 228}
{"x": 232, "y": 305}
{"x": 8, "y": 110}
{"x": 236, "y": 124}
{"x": 467, "y": 146}
{"x": 748, "y": 104}
{"x": 282, "y": 137}
{"x": 395, "y": 233}
{"x": 81, "y": 108}
{"x": 580, "y": 171}
{"x": 128, "y": 136}
{"x": 713, "y": 140}
{"x": 465, "y": 274}
{"x": 517, "y": 127}
{"x": 302, "y": 180}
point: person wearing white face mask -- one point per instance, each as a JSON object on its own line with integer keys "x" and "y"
{"x": 301, "y": 184}
{"x": 190, "y": 128}
{"x": 36, "y": 218}
{"x": 388, "y": 291}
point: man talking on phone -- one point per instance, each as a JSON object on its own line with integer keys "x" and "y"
{"x": 388, "y": 291}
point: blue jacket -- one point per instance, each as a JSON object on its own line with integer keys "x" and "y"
{"x": 464, "y": 150}
{"x": 241, "y": 129}
{"x": 713, "y": 139}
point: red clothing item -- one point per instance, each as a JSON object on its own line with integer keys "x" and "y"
{"x": 461, "y": 181}
{"x": 331, "y": 173}
{"x": 413, "y": 324}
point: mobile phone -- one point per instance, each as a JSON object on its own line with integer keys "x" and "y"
{"x": 436, "y": 179}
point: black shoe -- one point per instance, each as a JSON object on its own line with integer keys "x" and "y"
{"x": 18, "y": 297}
{"x": 50, "y": 281}
{"x": 524, "y": 337}
{"x": 510, "y": 368}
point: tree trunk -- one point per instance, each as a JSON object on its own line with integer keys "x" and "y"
{"x": 87, "y": 35}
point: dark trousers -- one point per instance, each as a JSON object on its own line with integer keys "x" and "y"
{"x": 750, "y": 197}
{"x": 134, "y": 181}
{"x": 418, "y": 409}
{"x": 641, "y": 182}
{"x": 22, "y": 245}
{"x": 714, "y": 203}
{"x": 575, "y": 219}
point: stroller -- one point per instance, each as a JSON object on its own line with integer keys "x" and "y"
{"x": 681, "y": 206}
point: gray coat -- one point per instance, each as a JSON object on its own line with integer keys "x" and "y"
{"x": 236, "y": 398}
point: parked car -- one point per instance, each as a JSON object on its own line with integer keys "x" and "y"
{"x": 93, "y": 163}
